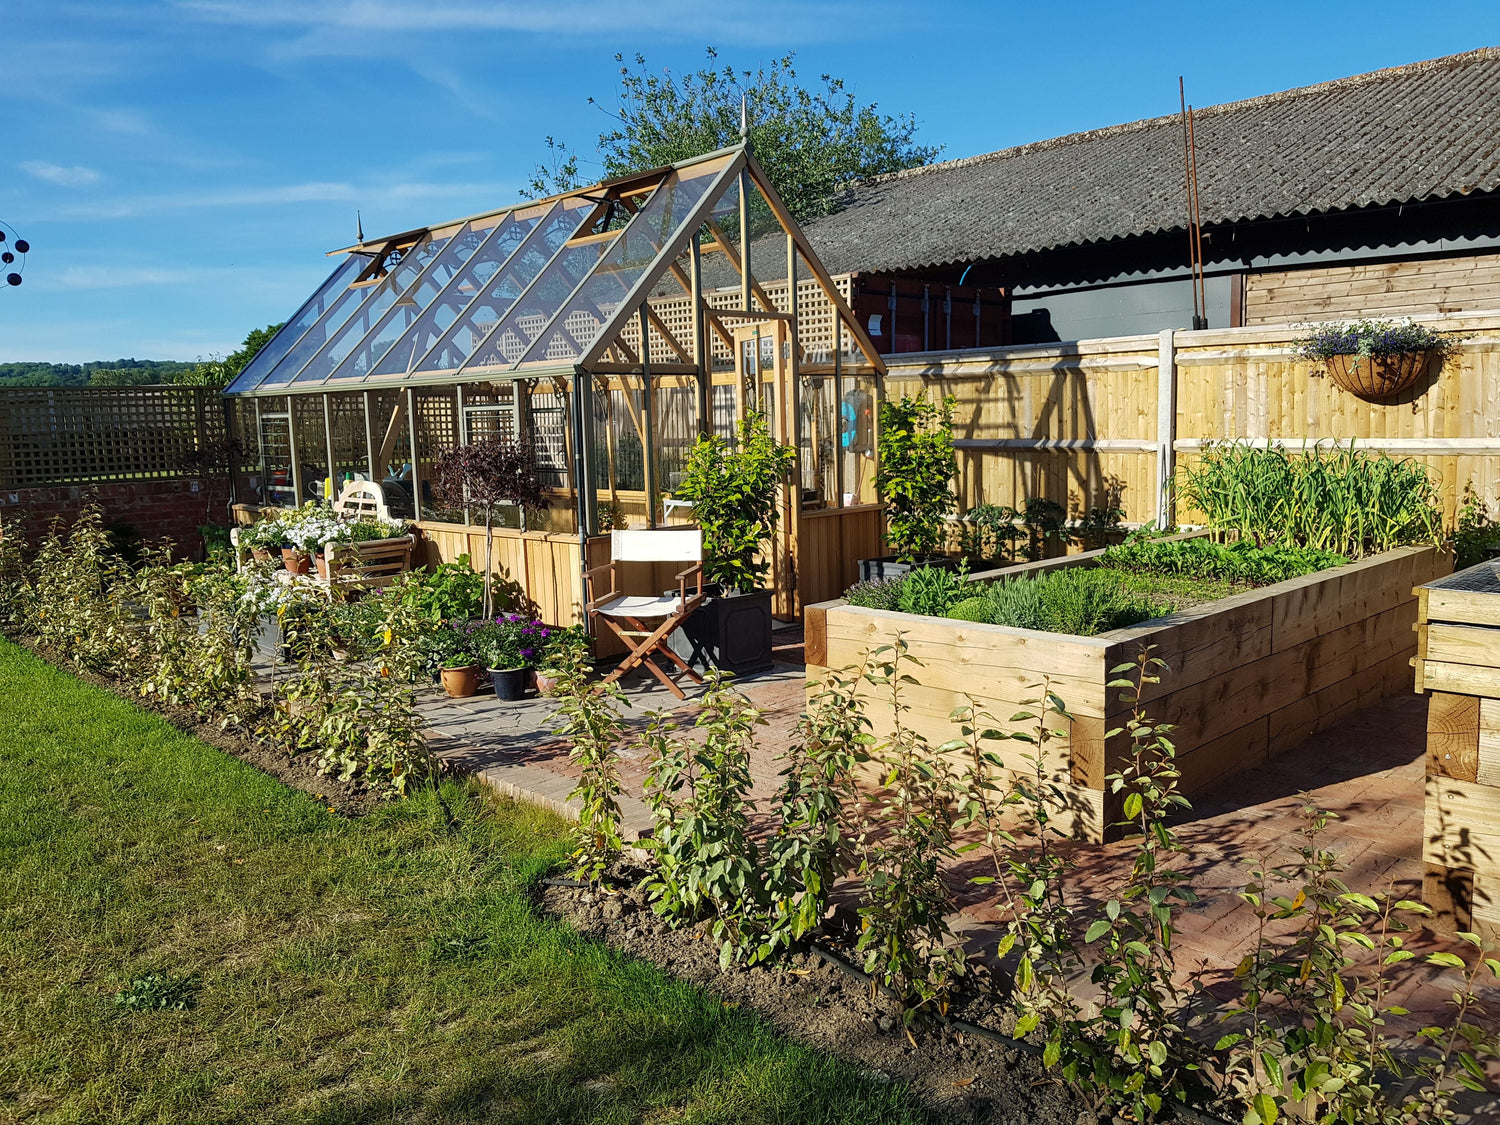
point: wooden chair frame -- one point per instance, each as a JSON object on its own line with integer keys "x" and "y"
{"x": 643, "y": 641}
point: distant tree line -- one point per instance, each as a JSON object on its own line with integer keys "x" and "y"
{"x": 212, "y": 371}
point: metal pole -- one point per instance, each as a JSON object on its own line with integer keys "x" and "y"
{"x": 328, "y": 442}
{"x": 416, "y": 462}
{"x": 291, "y": 444}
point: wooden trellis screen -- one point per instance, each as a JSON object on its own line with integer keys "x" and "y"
{"x": 90, "y": 435}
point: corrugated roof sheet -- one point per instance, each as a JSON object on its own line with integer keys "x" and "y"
{"x": 1426, "y": 130}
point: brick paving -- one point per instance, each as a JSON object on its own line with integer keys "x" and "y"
{"x": 1369, "y": 771}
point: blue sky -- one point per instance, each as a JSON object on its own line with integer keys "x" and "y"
{"x": 182, "y": 165}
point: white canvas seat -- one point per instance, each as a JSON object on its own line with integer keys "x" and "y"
{"x": 651, "y": 619}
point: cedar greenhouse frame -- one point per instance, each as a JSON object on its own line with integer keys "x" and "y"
{"x": 640, "y": 297}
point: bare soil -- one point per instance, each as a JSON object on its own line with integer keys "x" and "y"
{"x": 962, "y": 1076}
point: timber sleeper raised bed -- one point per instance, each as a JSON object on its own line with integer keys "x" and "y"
{"x": 1251, "y": 676}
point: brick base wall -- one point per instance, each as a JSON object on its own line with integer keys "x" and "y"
{"x": 157, "y": 510}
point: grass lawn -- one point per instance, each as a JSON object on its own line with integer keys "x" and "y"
{"x": 386, "y": 969}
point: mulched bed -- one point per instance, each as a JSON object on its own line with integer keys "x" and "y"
{"x": 963, "y": 1076}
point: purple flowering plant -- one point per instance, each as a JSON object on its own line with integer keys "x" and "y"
{"x": 510, "y": 640}
{"x": 1371, "y": 338}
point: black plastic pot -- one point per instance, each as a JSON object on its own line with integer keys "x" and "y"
{"x": 509, "y": 683}
{"x": 730, "y": 632}
{"x": 890, "y": 566}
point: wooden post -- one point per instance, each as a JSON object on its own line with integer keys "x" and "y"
{"x": 648, "y": 410}
{"x": 583, "y": 456}
{"x": 463, "y": 439}
{"x": 745, "y": 240}
{"x": 1166, "y": 428}
{"x": 369, "y": 440}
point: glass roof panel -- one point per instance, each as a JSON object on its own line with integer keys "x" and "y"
{"x": 392, "y": 326}
{"x": 287, "y": 336}
{"x": 390, "y": 289}
{"x": 573, "y": 330}
{"x": 477, "y": 272}
{"x": 340, "y": 308}
{"x": 465, "y": 335}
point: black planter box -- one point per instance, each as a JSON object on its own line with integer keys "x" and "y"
{"x": 889, "y": 566}
{"x": 730, "y": 633}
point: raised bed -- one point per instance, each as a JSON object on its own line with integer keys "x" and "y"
{"x": 1252, "y": 676}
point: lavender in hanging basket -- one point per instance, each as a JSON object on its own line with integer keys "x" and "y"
{"x": 1369, "y": 339}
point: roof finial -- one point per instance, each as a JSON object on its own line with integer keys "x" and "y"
{"x": 744, "y": 120}
{"x": 359, "y": 227}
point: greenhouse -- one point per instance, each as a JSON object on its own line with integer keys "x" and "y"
{"x": 608, "y": 327}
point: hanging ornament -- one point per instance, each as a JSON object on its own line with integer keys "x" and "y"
{"x": 13, "y": 251}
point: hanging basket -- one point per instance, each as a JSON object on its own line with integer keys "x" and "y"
{"x": 1378, "y": 377}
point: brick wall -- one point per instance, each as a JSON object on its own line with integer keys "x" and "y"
{"x": 159, "y": 509}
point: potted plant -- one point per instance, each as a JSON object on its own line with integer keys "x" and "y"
{"x": 733, "y": 492}
{"x": 264, "y": 539}
{"x": 560, "y": 644}
{"x": 1374, "y": 359}
{"x": 915, "y": 479}
{"x": 509, "y": 646}
{"x": 460, "y": 675}
{"x": 485, "y": 475}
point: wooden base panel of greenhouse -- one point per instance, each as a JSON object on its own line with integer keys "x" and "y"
{"x": 1458, "y": 668}
{"x": 1249, "y": 677}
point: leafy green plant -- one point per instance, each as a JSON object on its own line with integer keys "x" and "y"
{"x": 1097, "y": 526}
{"x": 915, "y": 478}
{"x": 1342, "y": 500}
{"x": 733, "y": 492}
{"x": 1081, "y": 601}
{"x": 16, "y": 592}
{"x": 1475, "y": 532}
{"x": 1240, "y": 561}
{"x": 590, "y": 716}
{"x": 707, "y": 862}
{"x": 1045, "y": 521}
{"x": 991, "y": 531}
{"x": 1017, "y": 604}
{"x": 453, "y": 591}
{"x": 816, "y": 837}
{"x": 79, "y": 595}
{"x": 156, "y": 993}
{"x": 976, "y": 609}
{"x": 1314, "y": 1007}
{"x": 932, "y": 591}
{"x": 1137, "y": 1049}
{"x": 903, "y": 901}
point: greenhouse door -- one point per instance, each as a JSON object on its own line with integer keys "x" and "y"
{"x": 762, "y": 357}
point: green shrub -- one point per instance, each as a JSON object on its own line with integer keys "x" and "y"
{"x": 931, "y": 592}
{"x": 915, "y": 478}
{"x": 876, "y": 593}
{"x": 1017, "y": 604}
{"x": 978, "y": 609}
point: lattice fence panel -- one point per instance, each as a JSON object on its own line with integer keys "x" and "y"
{"x": 82, "y": 435}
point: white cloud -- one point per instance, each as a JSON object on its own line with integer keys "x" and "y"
{"x": 75, "y": 176}
{"x": 368, "y": 196}
{"x": 121, "y": 277}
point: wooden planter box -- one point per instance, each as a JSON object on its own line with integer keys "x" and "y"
{"x": 1458, "y": 667}
{"x": 1251, "y": 676}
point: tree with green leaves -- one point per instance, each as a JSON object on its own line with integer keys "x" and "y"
{"x": 808, "y": 140}
{"x": 216, "y": 372}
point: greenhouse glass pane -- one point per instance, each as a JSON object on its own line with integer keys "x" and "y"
{"x": 479, "y": 270}
{"x": 292, "y": 331}
{"x": 530, "y": 315}
{"x": 523, "y": 267}
{"x": 392, "y": 288}
{"x": 393, "y": 324}
{"x": 340, "y": 309}
{"x": 571, "y": 331}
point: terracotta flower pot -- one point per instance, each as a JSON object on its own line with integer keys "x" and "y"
{"x": 322, "y": 563}
{"x": 296, "y": 561}
{"x": 460, "y": 683}
{"x": 546, "y": 682}
{"x": 1377, "y": 377}
{"x": 263, "y": 555}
